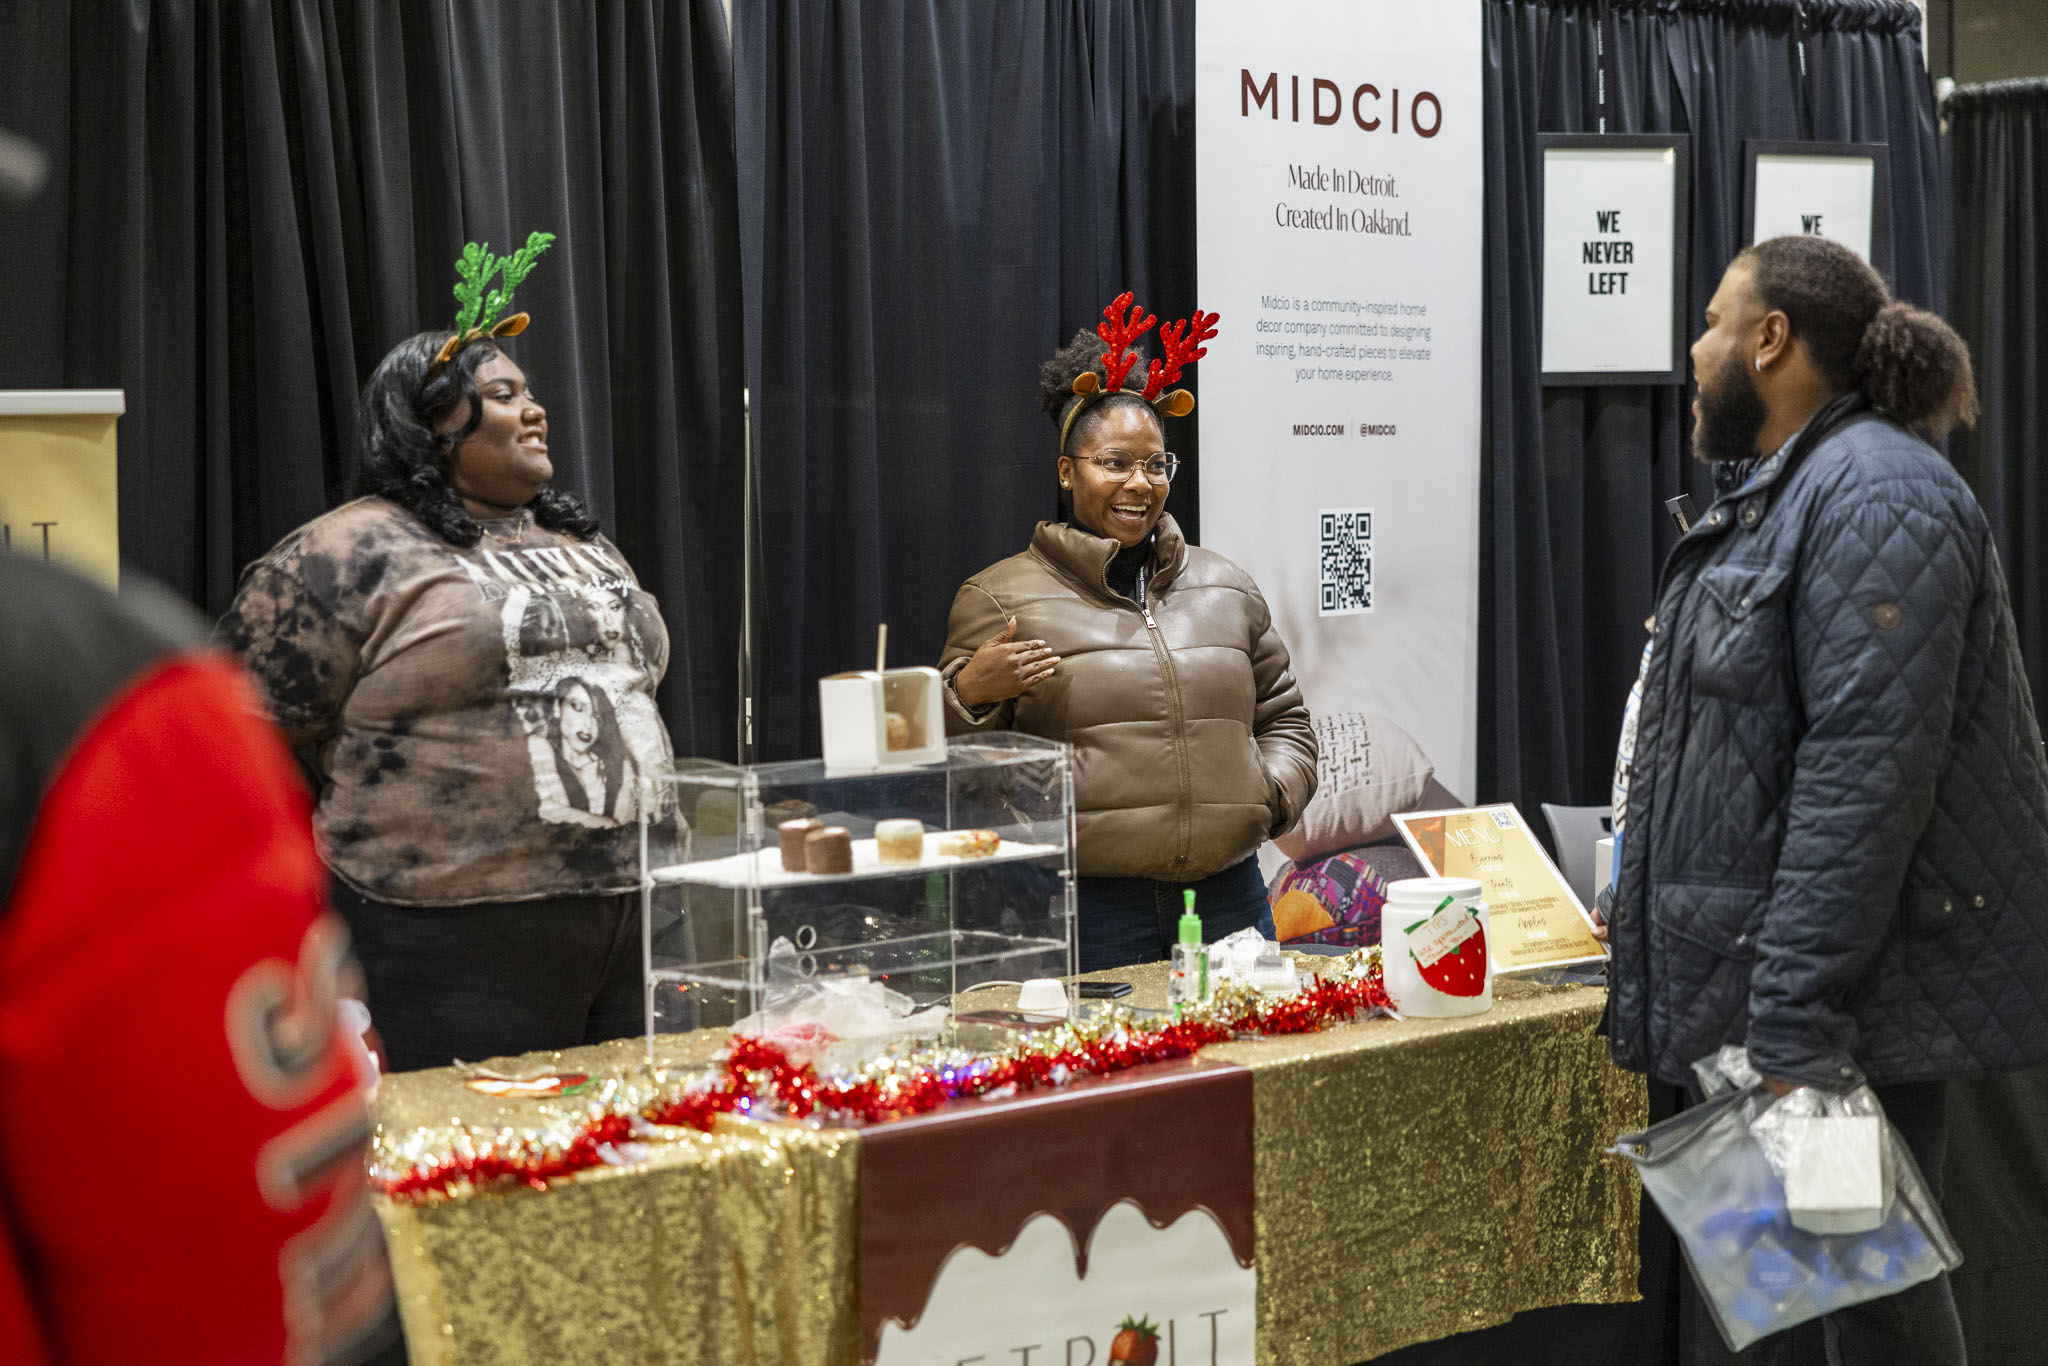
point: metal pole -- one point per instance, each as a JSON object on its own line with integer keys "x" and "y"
{"x": 750, "y": 574}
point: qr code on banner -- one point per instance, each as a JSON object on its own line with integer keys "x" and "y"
{"x": 1346, "y": 561}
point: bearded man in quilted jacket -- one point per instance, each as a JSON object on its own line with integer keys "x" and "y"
{"x": 1831, "y": 794}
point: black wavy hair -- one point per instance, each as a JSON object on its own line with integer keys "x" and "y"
{"x": 1056, "y": 384}
{"x": 1909, "y": 363}
{"x": 405, "y": 461}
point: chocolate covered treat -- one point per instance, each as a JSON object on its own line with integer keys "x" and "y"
{"x": 900, "y": 842}
{"x": 793, "y": 809}
{"x": 969, "y": 843}
{"x": 792, "y": 834}
{"x": 829, "y": 850}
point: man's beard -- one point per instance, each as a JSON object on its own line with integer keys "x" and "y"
{"x": 1731, "y": 417}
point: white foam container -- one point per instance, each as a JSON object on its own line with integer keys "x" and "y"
{"x": 1416, "y": 899}
{"x": 853, "y": 710}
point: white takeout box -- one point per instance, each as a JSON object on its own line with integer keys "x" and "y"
{"x": 1835, "y": 1180}
{"x": 854, "y": 708}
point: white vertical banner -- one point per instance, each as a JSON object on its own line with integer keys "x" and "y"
{"x": 1338, "y": 228}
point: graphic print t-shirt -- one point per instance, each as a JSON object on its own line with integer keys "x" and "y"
{"x": 482, "y": 714}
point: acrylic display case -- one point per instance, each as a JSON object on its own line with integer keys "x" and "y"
{"x": 716, "y": 898}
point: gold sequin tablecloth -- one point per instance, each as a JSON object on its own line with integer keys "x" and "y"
{"x": 734, "y": 1248}
{"x": 1414, "y": 1179}
{"x": 1420, "y": 1178}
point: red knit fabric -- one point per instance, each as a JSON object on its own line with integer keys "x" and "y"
{"x": 180, "y": 1138}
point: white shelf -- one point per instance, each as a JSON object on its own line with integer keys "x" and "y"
{"x": 764, "y": 869}
{"x": 62, "y": 402}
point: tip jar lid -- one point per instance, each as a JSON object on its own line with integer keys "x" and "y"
{"x": 1434, "y": 889}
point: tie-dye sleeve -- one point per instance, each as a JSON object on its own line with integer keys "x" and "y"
{"x": 287, "y": 626}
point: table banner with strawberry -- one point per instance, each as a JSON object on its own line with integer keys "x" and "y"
{"x": 1098, "y": 1223}
{"x": 1411, "y": 1179}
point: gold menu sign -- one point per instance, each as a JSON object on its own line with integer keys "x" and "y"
{"x": 57, "y": 477}
{"x": 1535, "y": 917}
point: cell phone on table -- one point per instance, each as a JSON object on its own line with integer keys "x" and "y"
{"x": 1009, "y": 1019}
{"x": 1103, "y": 991}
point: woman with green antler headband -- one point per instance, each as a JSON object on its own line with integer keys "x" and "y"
{"x": 439, "y": 645}
{"x": 1157, "y": 660}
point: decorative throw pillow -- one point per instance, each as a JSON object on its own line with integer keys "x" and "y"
{"x": 1337, "y": 900}
{"x": 1367, "y": 770}
{"x": 1334, "y": 901}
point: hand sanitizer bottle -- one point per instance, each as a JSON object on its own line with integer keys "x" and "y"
{"x": 1188, "y": 983}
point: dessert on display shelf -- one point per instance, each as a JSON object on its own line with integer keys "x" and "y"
{"x": 969, "y": 843}
{"x": 791, "y": 836}
{"x": 829, "y": 850}
{"x": 900, "y": 841}
{"x": 808, "y": 845}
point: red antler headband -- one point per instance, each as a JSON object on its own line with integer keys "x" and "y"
{"x": 1182, "y": 342}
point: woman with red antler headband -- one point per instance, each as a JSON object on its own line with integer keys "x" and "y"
{"x": 1155, "y": 659}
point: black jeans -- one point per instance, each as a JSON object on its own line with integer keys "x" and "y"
{"x": 497, "y": 978}
{"x": 1916, "y": 1327}
{"x": 1127, "y": 920}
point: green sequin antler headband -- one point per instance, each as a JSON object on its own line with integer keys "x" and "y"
{"x": 480, "y": 314}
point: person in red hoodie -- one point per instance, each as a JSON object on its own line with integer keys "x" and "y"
{"x": 182, "y": 1137}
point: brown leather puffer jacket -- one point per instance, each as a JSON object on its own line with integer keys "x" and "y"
{"x": 1191, "y": 743}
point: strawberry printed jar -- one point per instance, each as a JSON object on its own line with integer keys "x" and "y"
{"x": 1433, "y": 947}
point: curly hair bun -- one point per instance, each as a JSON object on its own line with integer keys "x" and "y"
{"x": 1084, "y": 353}
{"x": 1908, "y": 362}
{"x": 1915, "y": 367}
{"x": 1056, "y": 376}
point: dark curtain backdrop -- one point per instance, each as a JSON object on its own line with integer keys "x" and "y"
{"x": 1998, "y": 138}
{"x": 252, "y": 200}
{"x": 1572, "y": 527}
{"x": 938, "y": 194}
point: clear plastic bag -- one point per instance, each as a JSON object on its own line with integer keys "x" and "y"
{"x": 833, "y": 1021}
{"x": 1727, "y": 1070}
{"x": 1756, "y": 1269}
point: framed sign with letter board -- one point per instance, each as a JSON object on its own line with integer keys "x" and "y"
{"x": 1537, "y": 920}
{"x": 1614, "y": 257}
{"x": 1836, "y": 190}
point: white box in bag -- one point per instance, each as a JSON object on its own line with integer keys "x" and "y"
{"x": 1835, "y": 1182}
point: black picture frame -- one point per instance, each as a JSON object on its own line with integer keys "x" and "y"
{"x": 1877, "y": 153}
{"x": 1680, "y": 145}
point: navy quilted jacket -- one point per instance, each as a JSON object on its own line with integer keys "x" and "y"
{"x": 1836, "y": 848}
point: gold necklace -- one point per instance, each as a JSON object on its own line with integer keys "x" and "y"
{"x": 517, "y": 532}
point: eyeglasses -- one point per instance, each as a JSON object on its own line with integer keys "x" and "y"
{"x": 1159, "y": 469}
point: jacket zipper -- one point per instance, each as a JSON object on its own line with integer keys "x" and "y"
{"x": 1693, "y": 545}
{"x": 1185, "y": 804}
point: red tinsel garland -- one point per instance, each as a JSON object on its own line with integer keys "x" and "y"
{"x": 534, "y": 1169}
{"x": 759, "y": 1076}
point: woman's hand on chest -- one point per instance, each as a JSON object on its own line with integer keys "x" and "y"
{"x": 1004, "y": 667}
